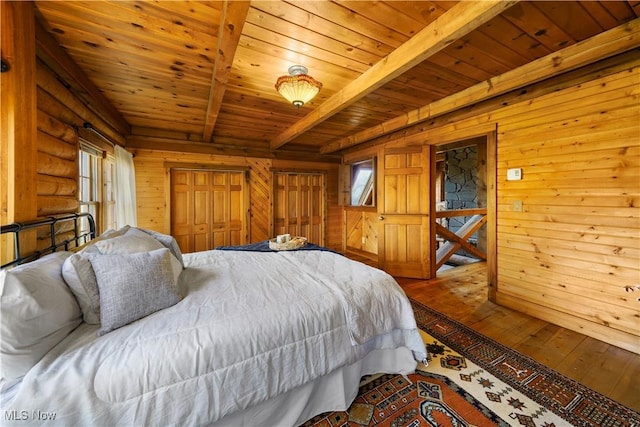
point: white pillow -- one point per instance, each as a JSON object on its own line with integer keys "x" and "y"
{"x": 79, "y": 275}
{"x": 167, "y": 241}
{"x": 133, "y": 286}
{"x": 133, "y": 241}
{"x": 90, "y": 247}
{"x": 37, "y": 312}
{"x": 112, "y": 233}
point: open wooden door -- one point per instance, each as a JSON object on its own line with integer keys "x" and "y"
{"x": 404, "y": 208}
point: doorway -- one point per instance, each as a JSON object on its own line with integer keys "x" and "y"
{"x": 461, "y": 201}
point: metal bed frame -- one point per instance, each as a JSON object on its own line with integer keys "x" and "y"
{"x": 79, "y": 236}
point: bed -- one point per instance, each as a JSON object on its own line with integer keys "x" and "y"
{"x": 127, "y": 330}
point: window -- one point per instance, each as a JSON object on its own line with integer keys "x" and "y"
{"x": 362, "y": 181}
{"x": 89, "y": 182}
{"x": 109, "y": 193}
{"x": 96, "y": 176}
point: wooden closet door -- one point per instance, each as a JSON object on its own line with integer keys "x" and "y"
{"x": 207, "y": 209}
{"x": 299, "y": 205}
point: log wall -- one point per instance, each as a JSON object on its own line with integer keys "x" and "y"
{"x": 152, "y": 187}
{"x": 59, "y": 115}
{"x": 57, "y": 170}
{"x": 39, "y": 164}
{"x": 57, "y": 154}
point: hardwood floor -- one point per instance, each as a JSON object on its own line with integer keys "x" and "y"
{"x": 461, "y": 293}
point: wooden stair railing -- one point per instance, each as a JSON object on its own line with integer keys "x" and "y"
{"x": 459, "y": 239}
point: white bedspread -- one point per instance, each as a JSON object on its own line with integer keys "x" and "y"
{"x": 252, "y": 326}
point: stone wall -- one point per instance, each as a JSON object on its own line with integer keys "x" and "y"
{"x": 460, "y": 181}
{"x": 460, "y": 184}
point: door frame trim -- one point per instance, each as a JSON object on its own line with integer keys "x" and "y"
{"x": 491, "y": 134}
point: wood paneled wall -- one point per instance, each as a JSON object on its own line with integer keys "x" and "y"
{"x": 573, "y": 250}
{"x": 152, "y": 187}
{"x": 572, "y": 254}
{"x": 361, "y": 231}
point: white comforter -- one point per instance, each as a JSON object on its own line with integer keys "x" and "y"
{"x": 251, "y": 326}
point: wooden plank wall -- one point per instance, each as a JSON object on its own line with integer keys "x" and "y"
{"x": 572, "y": 253}
{"x": 334, "y": 228}
{"x": 361, "y": 231}
{"x": 577, "y": 237}
{"x": 152, "y": 187}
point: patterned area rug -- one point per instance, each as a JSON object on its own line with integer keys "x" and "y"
{"x": 472, "y": 380}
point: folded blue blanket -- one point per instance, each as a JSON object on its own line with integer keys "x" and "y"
{"x": 264, "y": 247}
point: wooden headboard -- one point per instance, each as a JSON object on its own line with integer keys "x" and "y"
{"x": 76, "y": 229}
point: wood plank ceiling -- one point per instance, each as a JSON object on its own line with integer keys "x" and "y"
{"x": 204, "y": 72}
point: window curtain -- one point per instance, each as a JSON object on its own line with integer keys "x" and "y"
{"x": 125, "y": 187}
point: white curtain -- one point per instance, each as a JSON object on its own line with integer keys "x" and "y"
{"x": 125, "y": 188}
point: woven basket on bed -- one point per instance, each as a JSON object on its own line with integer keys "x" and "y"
{"x": 294, "y": 243}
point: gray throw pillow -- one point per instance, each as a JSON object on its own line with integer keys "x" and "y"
{"x": 133, "y": 286}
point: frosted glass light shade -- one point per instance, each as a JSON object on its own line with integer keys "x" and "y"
{"x": 298, "y": 87}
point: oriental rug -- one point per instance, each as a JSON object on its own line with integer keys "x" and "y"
{"x": 472, "y": 380}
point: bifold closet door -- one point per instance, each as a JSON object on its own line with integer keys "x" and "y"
{"x": 299, "y": 205}
{"x": 207, "y": 209}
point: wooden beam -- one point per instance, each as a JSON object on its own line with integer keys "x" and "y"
{"x": 165, "y": 133}
{"x": 56, "y": 58}
{"x": 164, "y": 144}
{"x": 234, "y": 14}
{"x": 458, "y": 21}
{"x": 604, "y": 45}
{"x": 18, "y": 123}
{"x": 461, "y": 212}
{"x": 19, "y": 110}
{"x": 458, "y": 240}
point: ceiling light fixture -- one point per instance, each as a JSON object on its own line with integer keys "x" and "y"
{"x": 298, "y": 87}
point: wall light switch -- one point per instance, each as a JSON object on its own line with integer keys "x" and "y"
{"x": 514, "y": 174}
{"x": 517, "y": 205}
